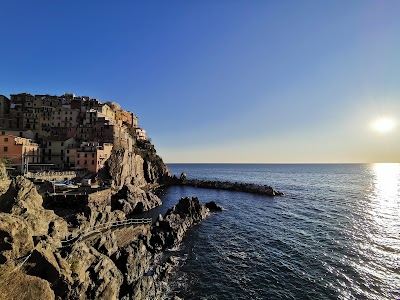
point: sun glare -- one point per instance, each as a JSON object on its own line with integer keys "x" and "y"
{"x": 383, "y": 125}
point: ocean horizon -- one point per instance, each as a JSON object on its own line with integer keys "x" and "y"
{"x": 333, "y": 235}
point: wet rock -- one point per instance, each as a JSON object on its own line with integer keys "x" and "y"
{"x": 214, "y": 206}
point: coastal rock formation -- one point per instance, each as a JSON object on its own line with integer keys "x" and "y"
{"x": 232, "y": 186}
{"x": 169, "y": 230}
{"x": 27, "y": 229}
{"x": 125, "y": 168}
{"x": 122, "y": 263}
{"x": 23, "y": 201}
{"x": 214, "y": 206}
{"x": 133, "y": 176}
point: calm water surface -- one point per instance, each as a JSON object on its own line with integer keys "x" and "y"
{"x": 334, "y": 235}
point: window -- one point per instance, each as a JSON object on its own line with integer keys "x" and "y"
{"x": 49, "y": 143}
{"x": 92, "y": 154}
{"x": 77, "y": 162}
{"x": 85, "y": 154}
{"x": 85, "y": 162}
{"x": 5, "y": 149}
{"x": 62, "y": 144}
{"x": 6, "y": 139}
{"x": 78, "y": 154}
{"x": 92, "y": 162}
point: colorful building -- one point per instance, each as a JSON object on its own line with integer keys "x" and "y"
{"x": 19, "y": 150}
{"x": 92, "y": 156}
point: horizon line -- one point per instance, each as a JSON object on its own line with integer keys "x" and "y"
{"x": 282, "y": 163}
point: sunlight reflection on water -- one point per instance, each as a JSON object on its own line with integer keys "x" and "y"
{"x": 386, "y": 194}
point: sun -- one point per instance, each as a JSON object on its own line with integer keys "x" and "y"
{"x": 383, "y": 124}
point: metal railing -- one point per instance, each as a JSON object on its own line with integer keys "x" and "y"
{"x": 98, "y": 228}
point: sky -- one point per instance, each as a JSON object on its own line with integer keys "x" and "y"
{"x": 221, "y": 81}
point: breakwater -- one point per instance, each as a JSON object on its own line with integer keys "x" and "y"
{"x": 231, "y": 186}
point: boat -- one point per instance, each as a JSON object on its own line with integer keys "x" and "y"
{"x": 64, "y": 185}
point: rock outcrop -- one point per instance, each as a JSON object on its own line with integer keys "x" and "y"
{"x": 169, "y": 230}
{"x": 133, "y": 175}
{"x": 134, "y": 199}
{"x": 122, "y": 263}
{"x": 212, "y": 206}
{"x": 28, "y": 230}
{"x": 22, "y": 201}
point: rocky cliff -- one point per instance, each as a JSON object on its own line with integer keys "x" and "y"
{"x": 111, "y": 263}
{"x": 133, "y": 175}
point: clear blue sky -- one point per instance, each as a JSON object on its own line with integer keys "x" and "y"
{"x": 221, "y": 81}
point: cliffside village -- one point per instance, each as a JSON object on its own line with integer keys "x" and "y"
{"x": 63, "y": 133}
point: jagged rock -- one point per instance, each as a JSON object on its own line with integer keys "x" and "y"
{"x": 99, "y": 210}
{"x": 107, "y": 244}
{"x": 133, "y": 259}
{"x": 15, "y": 237}
{"x": 176, "y": 222}
{"x": 96, "y": 276}
{"x": 23, "y": 200}
{"x": 183, "y": 176}
{"x": 125, "y": 168}
{"x": 214, "y": 206}
{"x": 44, "y": 264}
{"x": 133, "y": 199}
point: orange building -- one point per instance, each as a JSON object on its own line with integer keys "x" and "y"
{"x": 19, "y": 149}
{"x": 92, "y": 156}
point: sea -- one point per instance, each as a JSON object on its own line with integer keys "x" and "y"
{"x": 335, "y": 234}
